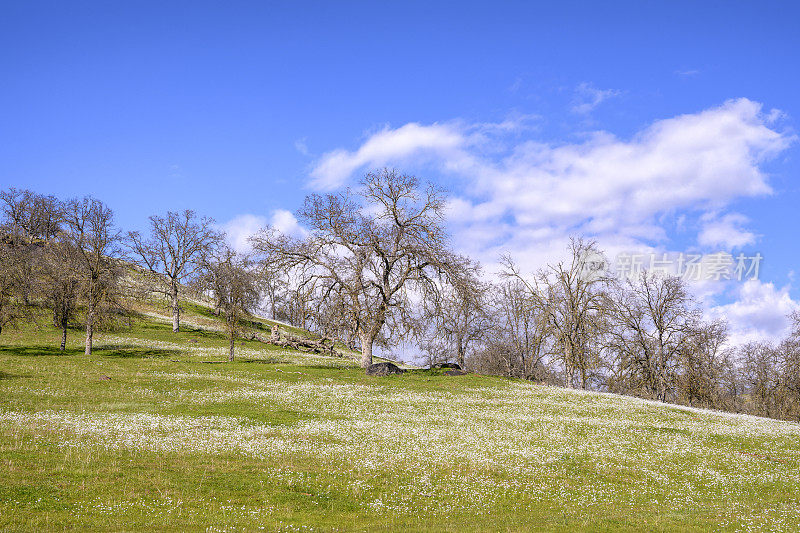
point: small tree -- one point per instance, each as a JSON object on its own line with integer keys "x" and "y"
{"x": 521, "y": 330}
{"x": 457, "y": 318}
{"x": 173, "y": 251}
{"x": 11, "y": 306}
{"x": 229, "y": 276}
{"x": 91, "y": 233}
{"x": 61, "y": 283}
{"x": 380, "y": 247}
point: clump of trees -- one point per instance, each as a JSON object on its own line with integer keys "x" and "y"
{"x": 375, "y": 268}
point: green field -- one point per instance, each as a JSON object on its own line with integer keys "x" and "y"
{"x": 154, "y": 431}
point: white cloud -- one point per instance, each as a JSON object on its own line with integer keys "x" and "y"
{"x": 522, "y": 192}
{"x": 285, "y": 222}
{"x": 588, "y": 97}
{"x": 758, "y": 314}
{"x": 334, "y": 168}
{"x": 725, "y": 231}
{"x": 240, "y": 228}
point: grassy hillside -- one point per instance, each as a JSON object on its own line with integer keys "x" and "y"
{"x": 152, "y": 433}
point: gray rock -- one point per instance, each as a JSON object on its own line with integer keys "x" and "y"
{"x": 383, "y": 369}
{"x": 447, "y": 365}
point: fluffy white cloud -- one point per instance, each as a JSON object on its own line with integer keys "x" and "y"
{"x": 334, "y": 168}
{"x": 758, "y": 314}
{"x": 240, "y": 228}
{"x": 726, "y": 231}
{"x": 285, "y": 222}
{"x": 518, "y": 194}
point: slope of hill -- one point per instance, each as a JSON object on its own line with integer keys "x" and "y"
{"x": 148, "y": 434}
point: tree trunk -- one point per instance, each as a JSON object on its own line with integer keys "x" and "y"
{"x": 366, "y": 350}
{"x": 63, "y": 335}
{"x": 233, "y": 343}
{"x": 89, "y": 331}
{"x": 176, "y": 310}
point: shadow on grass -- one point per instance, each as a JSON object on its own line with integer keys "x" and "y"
{"x": 266, "y": 361}
{"x": 106, "y": 350}
{"x": 38, "y": 350}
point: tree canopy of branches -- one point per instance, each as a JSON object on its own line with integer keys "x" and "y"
{"x": 61, "y": 282}
{"x": 456, "y": 318}
{"x": 379, "y": 247}
{"x": 651, "y": 325}
{"x": 230, "y": 277}
{"x": 92, "y": 235}
{"x": 172, "y": 252}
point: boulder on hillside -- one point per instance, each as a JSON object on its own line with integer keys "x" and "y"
{"x": 383, "y": 369}
{"x": 455, "y": 366}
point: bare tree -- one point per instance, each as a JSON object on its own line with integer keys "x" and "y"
{"x": 30, "y": 221}
{"x": 789, "y": 363}
{"x": 456, "y": 316}
{"x": 571, "y": 295}
{"x": 701, "y": 365}
{"x": 652, "y": 324}
{"x": 762, "y": 379}
{"x": 519, "y": 336}
{"x": 379, "y": 247}
{"x": 172, "y": 252}
{"x": 61, "y": 283}
{"x": 229, "y": 276}
{"x": 11, "y": 306}
{"x": 91, "y": 233}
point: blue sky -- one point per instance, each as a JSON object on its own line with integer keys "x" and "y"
{"x": 665, "y": 126}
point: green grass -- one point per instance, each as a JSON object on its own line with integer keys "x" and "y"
{"x": 150, "y": 434}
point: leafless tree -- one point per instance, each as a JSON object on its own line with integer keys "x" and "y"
{"x": 172, "y": 252}
{"x": 456, "y": 317}
{"x": 762, "y": 378}
{"x": 519, "y": 337}
{"x": 61, "y": 283}
{"x": 381, "y": 247}
{"x": 699, "y": 379}
{"x": 31, "y": 216}
{"x": 229, "y": 276}
{"x": 571, "y": 294}
{"x": 789, "y": 367}
{"x": 91, "y": 233}
{"x": 652, "y": 324}
{"x": 12, "y": 307}
{"x": 30, "y": 220}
